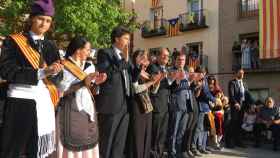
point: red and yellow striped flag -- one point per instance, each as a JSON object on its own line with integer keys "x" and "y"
{"x": 173, "y": 27}
{"x": 155, "y": 3}
{"x": 193, "y": 62}
{"x": 269, "y": 18}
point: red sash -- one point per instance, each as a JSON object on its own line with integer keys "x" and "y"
{"x": 77, "y": 72}
{"x": 34, "y": 58}
{"x": 74, "y": 69}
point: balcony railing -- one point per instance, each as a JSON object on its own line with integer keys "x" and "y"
{"x": 154, "y": 28}
{"x": 192, "y": 20}
{"x": 248, "y": 8}
{"x": 257, "y": 64}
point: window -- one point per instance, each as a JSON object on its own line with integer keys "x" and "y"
{"x": 194, "y": 5}
{"x": 248, "y": 8}
{"x": 194, "y": 54}
{"x": 195, "y": 47}
{"x": 260, "y": 94}
{"x": 156, "y": 15}
{"x": 154, "y": 51}
{"x": 249, "y": 36}
{"x": 249, "y": 5}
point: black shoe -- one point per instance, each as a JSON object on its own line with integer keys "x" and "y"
{"x": 275, "y": 148}
{"x": 190, "y": 154}
{"x": 202, "y": 151}
{"x": 209, "y": 149}
{"x": 196, "y": 153}
{"x": 230, "y": 146}
{"x": 241, "y": 145}
{"x": 218, "y": 148}
{"x": 185, "y": 155}
{"x": 171, "y": 155}
{"x": 257, "y": 145}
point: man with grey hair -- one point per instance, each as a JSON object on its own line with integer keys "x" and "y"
{"x": 160, "y": 103}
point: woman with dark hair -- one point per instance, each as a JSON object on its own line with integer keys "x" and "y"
{"x": 77, "y": 122}
{"x": 141, "y": 119}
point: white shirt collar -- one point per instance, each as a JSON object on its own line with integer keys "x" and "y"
{"x": 239, "y": 80}
{"x": 36, "y": 37}
{"x": 118, "y": 52}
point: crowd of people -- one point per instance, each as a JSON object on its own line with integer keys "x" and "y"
{"x": 124, "y": 106}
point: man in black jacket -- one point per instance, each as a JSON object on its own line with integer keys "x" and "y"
{"x": 112, "y": 101}
{"x": 240, "y": 99}
{"x": 160, "y": 103}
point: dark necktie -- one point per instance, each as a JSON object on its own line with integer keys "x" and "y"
{"x": 39, "y": 45}
{"x": 126, "y": 80}
{"x": 162, "y": 69}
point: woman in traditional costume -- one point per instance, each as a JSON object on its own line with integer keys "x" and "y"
{"x": 77, "y": 122}
{"x": 30, "y": 64}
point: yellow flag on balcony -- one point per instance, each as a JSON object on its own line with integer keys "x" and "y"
{"x": 269, "y": 18}
{"x": 173, "y": 27}
{"x": 155, "y": 3}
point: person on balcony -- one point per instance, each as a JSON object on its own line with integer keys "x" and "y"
{"x": 246, "y": 54}
{"x": 255, "y": 55}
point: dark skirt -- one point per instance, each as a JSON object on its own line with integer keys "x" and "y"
{"x": 140, "y": 132}
{"x": 77, "y": 132}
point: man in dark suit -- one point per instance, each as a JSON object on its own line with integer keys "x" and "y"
{"x": 180, "y": 103}
{"x": 160, "y": 103}
{"x": 240, "y": 99}
{"x": 112, "y": 102}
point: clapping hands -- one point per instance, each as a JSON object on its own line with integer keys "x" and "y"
{"x": 101, "y": 78}
{"x": 177, "y": 75}
{"x": 53, "y": 69}
{"x": 157, "y": 78}
{"x": 90, "y": 77}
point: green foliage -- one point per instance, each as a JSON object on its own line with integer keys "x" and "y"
{"x": 92, "y": 18}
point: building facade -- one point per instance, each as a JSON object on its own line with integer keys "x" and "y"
{"x": 239, "y": 21}
{"x": 211, "y": 29}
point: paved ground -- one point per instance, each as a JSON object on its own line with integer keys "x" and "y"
{"x": 250, "y": 152}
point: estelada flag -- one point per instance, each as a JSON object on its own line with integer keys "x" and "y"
{"x": 173, "y": 27}
{"x": 269, "y": 32}
{"x": 155, "y": 3}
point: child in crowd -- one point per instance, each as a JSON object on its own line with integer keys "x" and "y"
{"x": 249, "y": 119}
{"x": 219, "y": 114}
